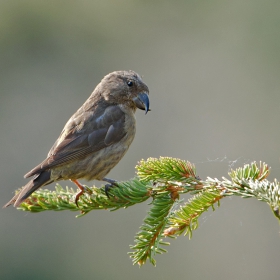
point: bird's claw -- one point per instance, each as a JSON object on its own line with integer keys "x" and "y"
{"x": 112, "y": 184}
{"x": 81, "y": 192}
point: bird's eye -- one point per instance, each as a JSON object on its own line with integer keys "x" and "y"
{"x": 130, "y": 84}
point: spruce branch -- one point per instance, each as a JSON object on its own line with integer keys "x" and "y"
{"x": 186, "y": 218}
{"x": 165, "y": 169}
{"x": 122, "y": 196}
{"x": 164, "y": 180}
{"x": 149, "y": 239}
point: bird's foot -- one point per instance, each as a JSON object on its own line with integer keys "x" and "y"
{"x": 112, "y": 184}
{"x": 78, "y": 196}
{"x": 82, "y": 190}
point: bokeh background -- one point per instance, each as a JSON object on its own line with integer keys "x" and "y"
{"x": 213, "y": 69}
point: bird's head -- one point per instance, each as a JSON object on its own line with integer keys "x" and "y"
{"x": 126, "y": 87}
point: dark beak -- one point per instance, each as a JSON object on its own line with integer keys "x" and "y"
{"x": 142, "y": 101}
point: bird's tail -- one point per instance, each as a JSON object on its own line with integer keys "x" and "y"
{"x": 42, "y": 179}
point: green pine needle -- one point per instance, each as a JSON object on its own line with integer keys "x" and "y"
{"x": 164, "y": 180}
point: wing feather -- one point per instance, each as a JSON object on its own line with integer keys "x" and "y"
{"x": 84, "y": 134}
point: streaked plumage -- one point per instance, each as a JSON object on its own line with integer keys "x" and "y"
{"x": 95, "y": 138}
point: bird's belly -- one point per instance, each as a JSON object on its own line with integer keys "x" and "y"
{"x": 96, "y": 165}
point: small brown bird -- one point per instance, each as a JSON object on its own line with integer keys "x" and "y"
{"x": 95, "y": 138}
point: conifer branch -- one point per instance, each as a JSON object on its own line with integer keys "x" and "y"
{"x": 163, "y": 180}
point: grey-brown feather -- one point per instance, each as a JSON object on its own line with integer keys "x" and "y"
{"x": 95, "y": 138}
{"x": 37, "y": 181}
{"x": 98, "y": 132}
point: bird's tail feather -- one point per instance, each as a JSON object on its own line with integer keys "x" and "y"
{"x": 38, "y": 181}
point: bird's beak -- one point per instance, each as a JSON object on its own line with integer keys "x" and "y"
{"x": 142, "y": 101}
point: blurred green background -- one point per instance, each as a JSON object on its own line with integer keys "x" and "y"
{"x": 213, "y": 69}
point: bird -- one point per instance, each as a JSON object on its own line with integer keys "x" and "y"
{"x": 95, "y": 138}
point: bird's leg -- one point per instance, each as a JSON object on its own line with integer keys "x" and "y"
{"x": 112, "y": 183}
{"x": 82, "y": 190}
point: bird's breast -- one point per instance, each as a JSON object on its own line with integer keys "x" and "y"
{"x": 98, "y": 164}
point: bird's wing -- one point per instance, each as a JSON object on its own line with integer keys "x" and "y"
{"x": 84, "y": 134}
